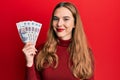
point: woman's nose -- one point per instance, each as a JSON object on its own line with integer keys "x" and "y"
{"x": 60, "y": 22}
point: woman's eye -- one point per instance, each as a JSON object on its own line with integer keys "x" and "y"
{"x": 66, "y": 19}
{"x": 55, "y": 18}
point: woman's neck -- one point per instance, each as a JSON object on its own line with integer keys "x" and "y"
{"x": 64, "y": 43}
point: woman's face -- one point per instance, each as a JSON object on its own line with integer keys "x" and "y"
{"x": 63, "y": 23}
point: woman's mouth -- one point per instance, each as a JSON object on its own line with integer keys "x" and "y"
{"x": 60, "y": 30}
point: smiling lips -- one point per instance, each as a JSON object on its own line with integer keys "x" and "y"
{"x": 60, "y": 30}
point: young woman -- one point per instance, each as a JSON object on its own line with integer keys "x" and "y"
{"x": 66, "y": 54}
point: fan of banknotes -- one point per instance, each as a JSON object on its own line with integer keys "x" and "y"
{"x": 29, "y": 30}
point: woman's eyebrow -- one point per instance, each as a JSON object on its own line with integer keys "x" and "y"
{"x": 66, "y": 16}
{"x": 62, "y": 17}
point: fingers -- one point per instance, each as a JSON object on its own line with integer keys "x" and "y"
{"x": 29, "y": 49}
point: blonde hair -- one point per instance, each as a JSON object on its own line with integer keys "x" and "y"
{"x": 81, "y": 58}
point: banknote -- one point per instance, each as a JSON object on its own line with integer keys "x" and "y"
{"x": 29, "y": 30}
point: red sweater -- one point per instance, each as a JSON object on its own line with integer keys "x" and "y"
{"x": 62, "y": 72}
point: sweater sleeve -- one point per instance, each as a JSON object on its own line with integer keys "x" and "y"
{"x": 32, "y": 73}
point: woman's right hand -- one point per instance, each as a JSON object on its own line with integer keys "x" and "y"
{"x": 30, "y": 51}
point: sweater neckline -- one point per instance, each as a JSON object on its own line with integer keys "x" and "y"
{"x": 64, "y": 43}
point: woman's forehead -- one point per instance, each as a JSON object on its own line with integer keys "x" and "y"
{"x": 62, "y": 11}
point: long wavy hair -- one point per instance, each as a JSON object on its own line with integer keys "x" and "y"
{"x": 81, "y": 60}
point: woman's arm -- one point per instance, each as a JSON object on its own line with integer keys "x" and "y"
{"x": 30, "y": 51}
{"x": 32, "y": 73}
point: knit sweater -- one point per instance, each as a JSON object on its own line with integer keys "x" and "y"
{"x": 62, "y": 72}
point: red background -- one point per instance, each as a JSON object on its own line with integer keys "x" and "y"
{"x": 101, "y": 23}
